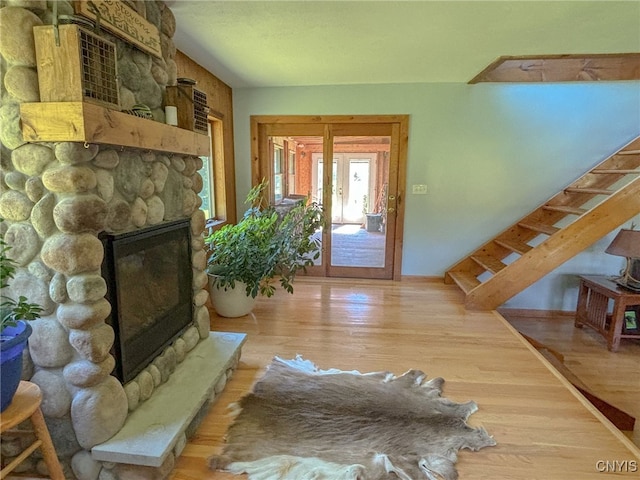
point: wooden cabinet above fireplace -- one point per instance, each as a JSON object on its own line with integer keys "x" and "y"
{"x": 90, "y": 123}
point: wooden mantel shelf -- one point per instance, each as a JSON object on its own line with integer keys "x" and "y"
{"x": 86, "y": 122}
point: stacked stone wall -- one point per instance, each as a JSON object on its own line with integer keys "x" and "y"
{"x": 55, "y": 198}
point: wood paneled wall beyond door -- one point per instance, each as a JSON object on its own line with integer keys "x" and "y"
{"x": 220, "y": 102}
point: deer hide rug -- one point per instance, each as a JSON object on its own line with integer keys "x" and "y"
{"x": 301, "y": 422}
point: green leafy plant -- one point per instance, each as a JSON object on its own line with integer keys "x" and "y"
{"x": 11, "y": 310}
{"x": 265, "y": 245}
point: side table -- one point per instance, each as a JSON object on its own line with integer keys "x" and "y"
{"x": 593, "y": 308}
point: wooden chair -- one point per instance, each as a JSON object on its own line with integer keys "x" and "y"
{"x": 26, "y": 405}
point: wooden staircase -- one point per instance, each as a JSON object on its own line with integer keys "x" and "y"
{"x": 601, "y": 200}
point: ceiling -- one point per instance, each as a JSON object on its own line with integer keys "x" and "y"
{"x": 305, "y": 42}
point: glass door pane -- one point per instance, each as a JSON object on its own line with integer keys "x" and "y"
{"x": 358, "y": 188}
{"x": 297, "y": 174}
{"x": 358, "y": 238}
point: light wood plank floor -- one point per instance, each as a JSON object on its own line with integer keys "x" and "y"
{"x": 543, "y": 428}
{"x": 614, "y": 377}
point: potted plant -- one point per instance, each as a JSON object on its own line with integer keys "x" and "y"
{"x": 270, "y": 243}
{"x": 14, "y": 330}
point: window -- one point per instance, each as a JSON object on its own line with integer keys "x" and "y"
{"x": 283, "y": 171}
{"x": 278, "y": 172}
{"x": 207, "y": 193}
{"x": 291, "y": 172}
{"x": 214, "y": 173}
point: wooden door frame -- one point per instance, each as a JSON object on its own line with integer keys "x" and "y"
{"x": 324, "y": 125}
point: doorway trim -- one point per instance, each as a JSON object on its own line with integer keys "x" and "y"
{"x": 324, "y": 125}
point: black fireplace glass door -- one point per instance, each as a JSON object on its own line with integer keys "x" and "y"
{"x": 149, "y": 280}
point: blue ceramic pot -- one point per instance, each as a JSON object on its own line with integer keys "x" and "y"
{"x": 13, "y": 340}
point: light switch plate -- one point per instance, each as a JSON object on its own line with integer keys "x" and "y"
{"x": 419, "y": 189}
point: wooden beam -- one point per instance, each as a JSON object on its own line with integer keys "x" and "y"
{"x": 562, "y": 68}
{"x": 86, "y": 122}
{"x": 353, "y": 148}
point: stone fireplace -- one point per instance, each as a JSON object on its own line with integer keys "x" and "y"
{"x": 72, "y": 209}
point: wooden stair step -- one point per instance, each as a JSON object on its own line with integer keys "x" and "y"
{"x": 617, "y": 204}
{"x": 539, "y": 227}
{"x": 517, "y": 247}
{"x": 465, "y": 280}
{"x": 623, "y": 171}
{"x": 593, "y": 191}
{"x": 491, "y": 264}
{"x": 565, "y": 209}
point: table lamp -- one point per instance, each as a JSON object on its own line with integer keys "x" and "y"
{"x": 627, "y": 244}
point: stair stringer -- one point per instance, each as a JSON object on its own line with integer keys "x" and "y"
{"x": 470, "y": 269}
{"x": 612, "y": 212}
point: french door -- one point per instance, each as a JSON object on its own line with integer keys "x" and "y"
{"x": 361, "y": 191}
{"x": 352, "y": 187}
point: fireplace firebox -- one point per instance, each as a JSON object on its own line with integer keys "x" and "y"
{"x": 149, "y": 285}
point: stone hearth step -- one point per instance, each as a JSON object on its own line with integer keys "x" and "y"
{"x": 152, "y": 431}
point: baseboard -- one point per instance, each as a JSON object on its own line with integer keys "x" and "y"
{"x": 531, "y": 313}
{"x": 421, "y": 279}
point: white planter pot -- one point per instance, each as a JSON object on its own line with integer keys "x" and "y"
{"x": 232, "y": 302}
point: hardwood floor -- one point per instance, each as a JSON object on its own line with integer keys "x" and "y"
{"x": 544, "y": 429}
{"x": 353, "y": 245}
{"x": 614, "y": 377}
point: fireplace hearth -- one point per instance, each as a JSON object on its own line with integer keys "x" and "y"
{"x": 149, "y": 277}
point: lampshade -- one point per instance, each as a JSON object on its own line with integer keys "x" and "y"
{"x": 625, "y": 244}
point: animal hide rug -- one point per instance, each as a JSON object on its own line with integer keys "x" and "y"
{"x": 301, "y": 422}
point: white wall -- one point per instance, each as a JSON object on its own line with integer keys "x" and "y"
{"x": 489, "y": 154}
